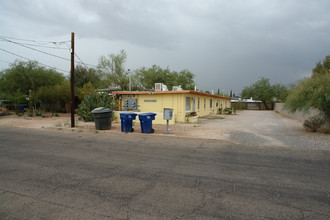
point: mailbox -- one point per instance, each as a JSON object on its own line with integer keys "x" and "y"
{"x": 168, "y": 113}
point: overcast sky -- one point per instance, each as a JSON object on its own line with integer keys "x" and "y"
{"x": 227, "y": 44}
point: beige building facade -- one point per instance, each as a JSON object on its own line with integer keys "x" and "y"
{"x": 183, "y": 103}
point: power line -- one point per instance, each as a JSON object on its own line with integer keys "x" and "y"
{"x": 81, "y": 60}
{"x": 4, "y": 61}
{"x": 35, "y": 41}
{"x": 40, "y": 51}
{"x": 34, "y": 45}
{"x": 63, "y": 58}
{"x": 33, "y": 60}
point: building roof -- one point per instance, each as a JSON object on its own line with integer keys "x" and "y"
{"x": 246, "y": 100}
{"x": 167, "y": 92}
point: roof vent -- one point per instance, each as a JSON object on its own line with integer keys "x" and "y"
{"x": 177, "y": 88}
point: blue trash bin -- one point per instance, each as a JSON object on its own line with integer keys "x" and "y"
{"x": 146, "y": 122}
{"x": 127, "y": 121}
{"x": 21, "y": 107}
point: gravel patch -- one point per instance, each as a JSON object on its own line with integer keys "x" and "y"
{"x": 253, "y": 128}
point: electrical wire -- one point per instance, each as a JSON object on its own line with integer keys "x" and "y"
{"x": 40, "y": 51}
{"x": 33, "y": 60}
{"x": 81, "y": 61}
{"x": 37, "y": 42}
{"x": 63, "y": 58}
{"x": 4, "y": 61}
{"x": 6, "y": 39}
{"x": 34, "y": 45}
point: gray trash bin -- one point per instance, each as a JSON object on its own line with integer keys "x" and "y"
{"x": 102, "y": 117}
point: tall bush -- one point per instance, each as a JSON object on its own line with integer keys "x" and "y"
{"x": 311, "y": 93}
{"x": 93, "y": 101}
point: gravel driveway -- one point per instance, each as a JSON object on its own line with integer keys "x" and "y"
{"x": 259, "y": 128}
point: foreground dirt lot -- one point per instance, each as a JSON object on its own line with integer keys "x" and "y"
{"x": 257, "y": 128}
{"x": 254, "y": 165}
{"x": 47, "y": 174}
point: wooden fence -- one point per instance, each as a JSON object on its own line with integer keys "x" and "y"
{"x": 252, "y": 106}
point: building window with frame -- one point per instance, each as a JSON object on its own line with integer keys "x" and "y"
{"x": 187, "y": 104}
{"x": 198, "y": 104}
{"x": 204, "y": 103}
{"x": 193, "y": 104}
{"x": 211, "y": 103}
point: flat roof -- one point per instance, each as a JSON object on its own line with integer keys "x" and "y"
{"x": 167, "y": 92}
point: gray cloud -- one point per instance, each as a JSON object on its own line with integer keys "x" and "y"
{"x": 227, "y": 44}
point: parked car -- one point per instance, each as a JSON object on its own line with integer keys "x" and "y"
{"x": 7, "y": 104}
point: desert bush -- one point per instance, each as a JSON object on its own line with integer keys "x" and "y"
{"x": 93, "y": 101}
{"x": 228, "y": 111}
{"x": 313, "y": 123}
{"x": 34, "y": 112}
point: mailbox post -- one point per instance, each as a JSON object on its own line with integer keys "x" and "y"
{"x": 168, "y": 113}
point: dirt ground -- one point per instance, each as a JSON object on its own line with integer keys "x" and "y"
{"x": 262, "y": 128}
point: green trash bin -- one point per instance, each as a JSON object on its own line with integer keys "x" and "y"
{"x": 102, "y": 117}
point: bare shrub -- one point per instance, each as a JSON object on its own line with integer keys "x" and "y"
{"x": 313, "y": 123}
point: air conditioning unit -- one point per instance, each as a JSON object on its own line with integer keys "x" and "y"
{"x": 164, "y": 87}
{"x": 160, "y": 87}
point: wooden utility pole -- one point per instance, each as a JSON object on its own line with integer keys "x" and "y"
{"x": 72, "y": 81}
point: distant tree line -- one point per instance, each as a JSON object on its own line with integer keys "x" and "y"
{"x": 262, "y": 90}
{"x": 40, "y": 85}
{"x": 111, "y": 72}
{"x": 50, "y": 89}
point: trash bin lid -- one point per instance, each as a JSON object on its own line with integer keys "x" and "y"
{"x": 148, "y": 114}
{"x": 128, "y": 113}
{"x": 101, "y": 110}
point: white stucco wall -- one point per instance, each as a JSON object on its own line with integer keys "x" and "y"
{"x": 301, "y": 116}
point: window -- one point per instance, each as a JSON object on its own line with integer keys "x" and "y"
{"x": 198, "y": 104}
{"x": 211, "y": 102}
{"x": 187, "y": 103}
{"x": 193, "y": 104}
{"x": 204, "y": 103}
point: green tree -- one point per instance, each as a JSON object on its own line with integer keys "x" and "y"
{"x": 24, "y": 76}
{"x": 155, "y": 74}
{"x": 262, "y": 90}
{"x": 186, "y": 80}
{"x": 322, "y": 68}
{"x": 87, "y": 89}
{"x": 148, "y": 77}
{"x": 113, "y": 69}
{"x": 54, "y": 97}
{"x": 83, "y": 75}
{"x": 280, "y": 92}
{"x": 93, "y": 101}
{"x": 312, "y": 92}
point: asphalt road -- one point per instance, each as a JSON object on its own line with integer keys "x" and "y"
{"x": 57, "y": 175}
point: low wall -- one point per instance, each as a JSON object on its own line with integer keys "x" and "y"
{"x": 299, "y": 115}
